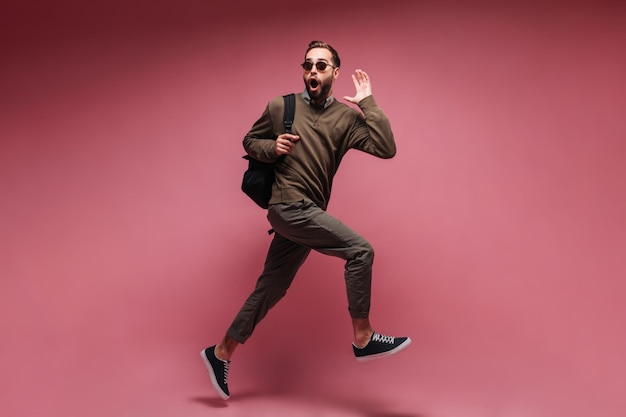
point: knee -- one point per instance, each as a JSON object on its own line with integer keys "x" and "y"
{"x": 365, "y": 253}
{"x": 369, "y": 252}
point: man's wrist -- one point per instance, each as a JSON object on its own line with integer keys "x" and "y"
{"x": 364, "y": 101}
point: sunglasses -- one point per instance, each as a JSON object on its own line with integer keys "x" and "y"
{"x": 319, "y": 65}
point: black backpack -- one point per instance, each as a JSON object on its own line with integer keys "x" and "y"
{"x": 259, "y": 177}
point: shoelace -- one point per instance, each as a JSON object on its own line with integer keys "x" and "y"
{"x": 382, "y": 338}
{"x": 226, "y": 367}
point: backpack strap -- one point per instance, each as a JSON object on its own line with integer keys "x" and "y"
{"x": 290, "y": 109}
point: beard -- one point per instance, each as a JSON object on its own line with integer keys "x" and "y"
{"x": 318, "y": 90}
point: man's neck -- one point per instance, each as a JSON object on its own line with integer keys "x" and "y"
{"x": 319, "y": 103}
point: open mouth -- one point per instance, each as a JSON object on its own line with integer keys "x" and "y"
{"x": 313, "y": 83}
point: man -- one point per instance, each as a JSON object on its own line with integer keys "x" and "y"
{"x": 306, "y": 162}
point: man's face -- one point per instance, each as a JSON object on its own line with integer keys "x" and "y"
{"x": 319, "y": 83}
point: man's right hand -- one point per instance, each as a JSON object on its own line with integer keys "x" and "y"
{"x": 285, "y": 143}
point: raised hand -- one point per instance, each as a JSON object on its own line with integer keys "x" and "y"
{"x": 362, "y": 85}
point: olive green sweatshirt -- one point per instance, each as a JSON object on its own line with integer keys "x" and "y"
{"x": 326, "y": 134}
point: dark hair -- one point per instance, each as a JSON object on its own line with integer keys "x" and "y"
{"x": 320, "y": 44}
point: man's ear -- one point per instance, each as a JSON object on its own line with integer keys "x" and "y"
{"x": 336, "y": 74}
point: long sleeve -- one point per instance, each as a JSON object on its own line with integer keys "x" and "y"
{"x": 259, "y": 142}
{"x": 372, "y": 132}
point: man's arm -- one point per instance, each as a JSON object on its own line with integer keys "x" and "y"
{"x": 372, "y": 134}
{"x": 259, "y": 142}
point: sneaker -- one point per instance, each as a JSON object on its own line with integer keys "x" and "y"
{"x": 218, "y": 371}
{"x": 380, "y": 346}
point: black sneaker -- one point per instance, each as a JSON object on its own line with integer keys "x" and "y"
{"x": 218, "y": 371}
{"x": 380, "y": 346}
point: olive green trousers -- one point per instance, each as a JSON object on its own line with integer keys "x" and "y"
{"x": 299, "y": 228}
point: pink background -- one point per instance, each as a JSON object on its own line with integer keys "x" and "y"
{"x": 127, "y": 247}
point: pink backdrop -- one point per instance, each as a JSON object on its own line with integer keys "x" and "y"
{"x": 126, "y": 245}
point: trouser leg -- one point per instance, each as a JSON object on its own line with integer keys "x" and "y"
{"x": 309, "y": 226}
{"x": 283, "y": 260}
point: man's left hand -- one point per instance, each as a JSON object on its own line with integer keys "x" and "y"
{"x": 362, "y": 85}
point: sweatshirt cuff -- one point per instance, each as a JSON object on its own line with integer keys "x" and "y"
{"x": 368, "y": 103}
